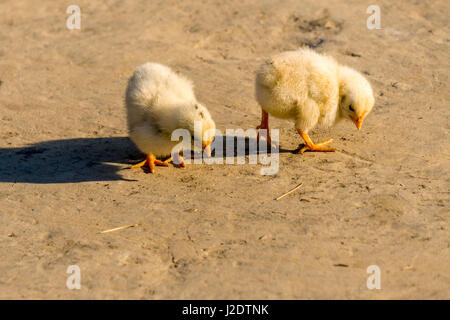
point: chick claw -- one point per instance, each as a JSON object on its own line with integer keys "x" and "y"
{"x": 315, "y": 147}
{"x": 318, "y": 147}
{"x": 151, "y": 162}
{"x": 179, "y": 161}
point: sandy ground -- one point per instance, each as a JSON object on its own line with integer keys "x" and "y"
{"x": 216, "y": 231}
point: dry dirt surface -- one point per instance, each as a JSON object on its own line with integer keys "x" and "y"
{"x": 215, "y": 231}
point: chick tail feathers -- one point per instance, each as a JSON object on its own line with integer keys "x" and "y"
{"x": 267, "y": 75}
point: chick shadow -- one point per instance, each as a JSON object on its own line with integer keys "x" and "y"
{"x": 233, "y": 146}
{"x": 68, "y": 161}
{"x": 94, "y": 159}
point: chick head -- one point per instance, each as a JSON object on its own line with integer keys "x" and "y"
{"x": 195, "y": 117}
{"x": 355, "y": 96}
{"x": 208, "y": 127}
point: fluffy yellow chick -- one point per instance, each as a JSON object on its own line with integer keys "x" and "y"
{"x": 159, "y": 101}
{"x": 311, "y": 89}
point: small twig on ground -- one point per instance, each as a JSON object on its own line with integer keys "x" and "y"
{"x": 120, "y": 228}
{"x": 289, "y": 192}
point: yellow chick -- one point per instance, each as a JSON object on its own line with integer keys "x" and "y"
{"x": 311, "y": 89}
{"x": 159, "y": 101}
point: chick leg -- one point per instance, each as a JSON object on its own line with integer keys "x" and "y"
{"x": 264, "y": 125}
{"x": 311, "y": 146}
{"x": 151, "y": 162}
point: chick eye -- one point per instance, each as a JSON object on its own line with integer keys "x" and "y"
{"x": 350, "y": 107}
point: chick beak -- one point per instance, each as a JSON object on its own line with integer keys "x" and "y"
{"x": 207, "y": 148}
{"x": 359, "y": 121}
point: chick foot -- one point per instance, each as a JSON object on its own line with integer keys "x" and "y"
{"x": 316, "y": 147}
{"x": 151, "y": 162}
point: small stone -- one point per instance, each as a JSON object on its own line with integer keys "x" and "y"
{"x": 45, "y": 236}
{"x": 330, "y": 25}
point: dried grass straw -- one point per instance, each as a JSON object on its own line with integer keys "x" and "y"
{"x": 289, "y": 192}
{"x": 120, "y": 228}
